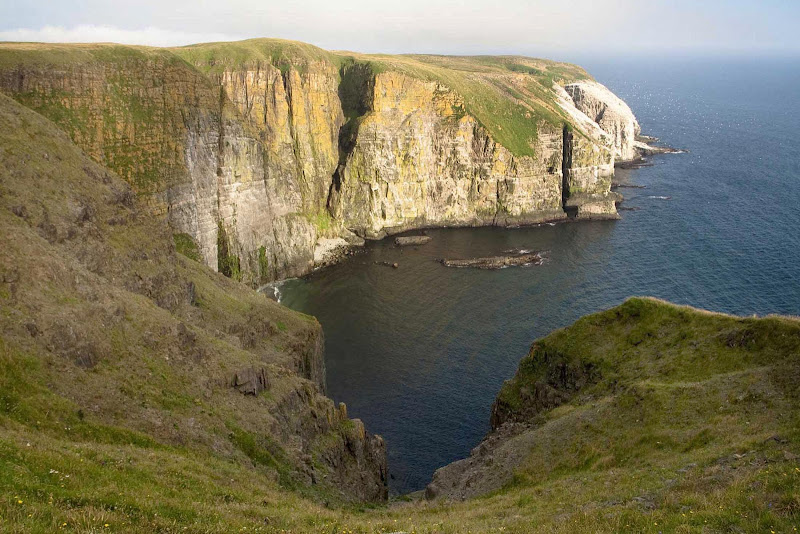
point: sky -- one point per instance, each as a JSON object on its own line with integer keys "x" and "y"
{"x": 555, "y": 28}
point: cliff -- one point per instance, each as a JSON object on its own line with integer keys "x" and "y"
{"x": 111, "y": 339}
{"x": 265, "y": 152}
{"x": 644, "y": 386}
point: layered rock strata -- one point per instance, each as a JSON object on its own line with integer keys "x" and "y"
{"x": 266, "y": 159}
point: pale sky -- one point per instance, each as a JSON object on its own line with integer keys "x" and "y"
{"x": 555, "y": 28}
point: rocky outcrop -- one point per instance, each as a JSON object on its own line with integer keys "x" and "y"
{"x": 610, "y": 113}
{"x": 272, "y": 157}
{"x": 517, "y": 259}
{"x": 412, "y": 240}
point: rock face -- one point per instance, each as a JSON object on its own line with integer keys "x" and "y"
{"x": 609, "y": 112}
{"x": 267, "y": 153}
{"x": 185, "y": 149}
{"x": 417, "y": 162}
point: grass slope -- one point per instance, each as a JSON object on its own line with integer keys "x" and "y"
{"x": 116, "y": 362}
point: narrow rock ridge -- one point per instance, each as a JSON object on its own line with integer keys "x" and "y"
{"x": 265, "y": 163}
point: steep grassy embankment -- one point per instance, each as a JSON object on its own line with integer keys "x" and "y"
{"x": 130, "y": 374}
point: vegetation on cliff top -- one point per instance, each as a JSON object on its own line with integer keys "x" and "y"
{"x": 215, "y": 58}
{"x": 510, "y": 96}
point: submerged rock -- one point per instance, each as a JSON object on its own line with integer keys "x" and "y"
{"x": 512, "y": 259}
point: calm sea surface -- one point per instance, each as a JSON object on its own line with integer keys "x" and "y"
{"x": 420, "y": 352}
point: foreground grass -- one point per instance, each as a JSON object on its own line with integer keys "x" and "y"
{"x": 693, "y": 428}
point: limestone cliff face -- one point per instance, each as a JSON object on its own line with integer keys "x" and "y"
{"x": 269, "y": 161}
{"x": 610, "y": 112}
{"x": 418, "y": 160}
{"x": 298, "y": 114}
{"x": 185, "y": 148}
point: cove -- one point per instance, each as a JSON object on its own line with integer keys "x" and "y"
{"x": 419, "y": 352}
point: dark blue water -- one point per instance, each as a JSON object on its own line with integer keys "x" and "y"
{"x": 420, "y": 352}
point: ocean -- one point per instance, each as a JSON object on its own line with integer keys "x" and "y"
{"x": 419, "y": 352}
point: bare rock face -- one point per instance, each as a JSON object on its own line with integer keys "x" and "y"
{"x": 188, "y": 153}
{"x": 250, "y": 380}
{"x": 298, "y": 116}
{"x": 417, "y": 160}
{"x": 608, "y": 111}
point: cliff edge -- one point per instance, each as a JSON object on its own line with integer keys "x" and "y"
{"x": 647, "y": 394}
{"x": 269, "y": 153}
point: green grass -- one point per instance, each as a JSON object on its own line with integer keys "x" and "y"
{"x": 214, "y": 58}
{"x": 322, "y": 220}
{"x": 184, "y": 244}
{"x": 228, "y": 263}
